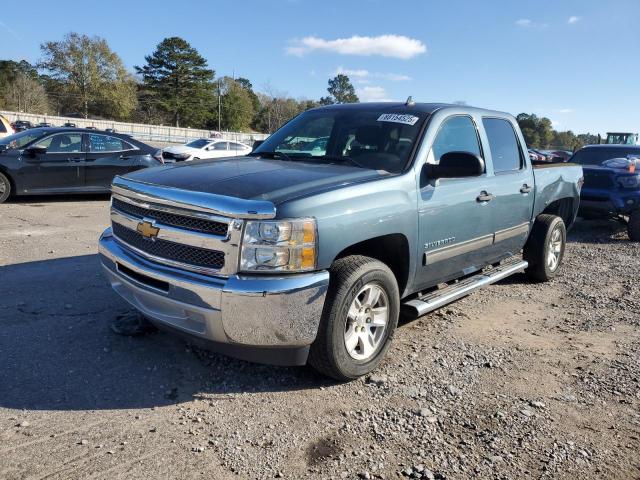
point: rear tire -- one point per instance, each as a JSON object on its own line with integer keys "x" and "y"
{"x": 545, "y": 248}
{"x": 359, "y": 318}
{"x": 633, "y": 227}
{"x": 5, "y": 188}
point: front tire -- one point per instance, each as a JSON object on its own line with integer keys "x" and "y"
{"x": 359, "y": 318}
{"x": 545, "y": 248}
{"x": 633, "y": 227}
{"x": 5, "y": 188}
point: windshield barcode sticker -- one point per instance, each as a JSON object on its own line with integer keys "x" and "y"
{"x": 398, "y": 118}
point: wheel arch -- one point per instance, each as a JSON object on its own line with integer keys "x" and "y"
{"x": 565, "y": 208}
{"x": 391, "y": 249}
{"x": 12, "y": 181}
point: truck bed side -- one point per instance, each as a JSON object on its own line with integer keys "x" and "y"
{"x": 557, "y": 189}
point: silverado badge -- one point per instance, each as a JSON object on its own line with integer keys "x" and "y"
{"x": 147, "y": 230}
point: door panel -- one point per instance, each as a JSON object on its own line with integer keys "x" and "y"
{"x": 58, "y": 168}
{"x": 455, "y": 219}
{"x": 456, "y": 230}
{"x": 514, "y": 190}
{"x": 107, "y": 157}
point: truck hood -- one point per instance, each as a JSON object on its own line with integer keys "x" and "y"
{"x": 252, "y": 178}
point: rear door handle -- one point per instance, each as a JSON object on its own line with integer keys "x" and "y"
{"x": 526, "y": 189}
{"x": 77, "y": 159}
{"x": 484, "y": 197}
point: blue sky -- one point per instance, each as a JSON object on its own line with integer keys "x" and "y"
{"x": 575, "y": 61}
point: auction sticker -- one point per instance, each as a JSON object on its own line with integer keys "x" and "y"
{"x": 398, "y": 118}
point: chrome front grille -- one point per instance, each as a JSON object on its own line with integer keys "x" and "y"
{"x": 176, "y": 236}
{"x": 167, "y": 218}
{"x": 174, "y": 252}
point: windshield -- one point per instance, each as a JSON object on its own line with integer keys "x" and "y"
{"x": 595, "y": 156}
{"x": 20, "y": 139}
{"x": 198, "y": 143}
{"x": 373, "y": 139}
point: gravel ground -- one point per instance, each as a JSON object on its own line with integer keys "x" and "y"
{"x": 519, "y": 380}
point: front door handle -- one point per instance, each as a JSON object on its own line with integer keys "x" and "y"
{"x": 484, "y": 197}
{"x": 526, "y": 189}
{"x": 77, "y": 159}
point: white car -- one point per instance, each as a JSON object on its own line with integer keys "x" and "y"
{"x": 205, "y": 148}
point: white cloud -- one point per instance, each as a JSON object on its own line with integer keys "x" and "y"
{"x": 352, "y": 73}
{"x": 396, "y": 46}
{"x": 373, "y": 93}
{"x": 555, "y": 124}
{"x": 528, "y": 23}
{"x": 565, "y": 110}
{"x": 362, "y": 74}
{"x": 573, "y": 19}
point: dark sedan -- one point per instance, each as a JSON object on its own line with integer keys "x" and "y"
{"x": 68, "y": 160}
{"x": 21, "y": 125}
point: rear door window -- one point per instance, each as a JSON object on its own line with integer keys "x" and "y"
{"x": 107, "y": 143}
{"x": 220, "y": 146}
{"x": 505, "y": 151}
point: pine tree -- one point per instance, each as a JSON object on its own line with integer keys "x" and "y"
{"x": 178, "y": 81}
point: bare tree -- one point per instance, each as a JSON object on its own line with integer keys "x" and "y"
{"x": 24, "y": 94}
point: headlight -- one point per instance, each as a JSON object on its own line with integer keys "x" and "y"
{"x": 629, "y": 181}
{"x": 279, "y": 246}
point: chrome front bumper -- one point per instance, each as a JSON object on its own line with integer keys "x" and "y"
{"x": 260, "y": 315}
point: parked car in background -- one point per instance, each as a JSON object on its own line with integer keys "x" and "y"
{"x": 611, "y": 184}
{"x": 536, "y": 156}
{"x": 44, "y": 125}
{"x": 21, "y": 125}
{"x": 5, "y": 127}
{"x": 68, "y": 160}
{"x": 204, "y": 148}
{"x": 292, "y": 257}
{"x": 561, "y": 155}
{"x": 69, "y": 125}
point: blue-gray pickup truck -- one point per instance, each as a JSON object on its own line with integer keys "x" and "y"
{"x": 307, "y": 250}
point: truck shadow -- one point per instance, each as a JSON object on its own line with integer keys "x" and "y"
{"x": 58, "y": 352}
{"x": 598, "y": 231}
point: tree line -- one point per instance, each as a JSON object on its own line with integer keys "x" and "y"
{"x": 81, "y": 76}
{"x": 539, "y": 133}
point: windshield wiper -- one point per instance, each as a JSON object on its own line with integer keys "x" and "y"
{"x": 273, "y": 155}
{"x": 341, "y": 160}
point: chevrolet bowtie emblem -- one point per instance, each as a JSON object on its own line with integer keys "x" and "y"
{"x": 147, "y": 230}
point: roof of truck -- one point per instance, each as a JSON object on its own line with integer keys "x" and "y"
{"x": 402, "y": 107}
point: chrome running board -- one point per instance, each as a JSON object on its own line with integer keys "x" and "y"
{"x": 438, "y": 298}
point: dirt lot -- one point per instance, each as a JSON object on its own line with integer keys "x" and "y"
{"x": 520, "y": 380}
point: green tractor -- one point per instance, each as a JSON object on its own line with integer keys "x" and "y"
{"x": 616, "y": 138}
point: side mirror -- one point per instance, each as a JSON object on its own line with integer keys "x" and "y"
{"x": 456, "y": 165}
{"x": 35, "y": 151}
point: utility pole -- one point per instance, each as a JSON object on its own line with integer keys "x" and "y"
{"x": 219, "y": 105}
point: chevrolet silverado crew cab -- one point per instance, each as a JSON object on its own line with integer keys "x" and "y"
{"x": 293, "y": 255}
